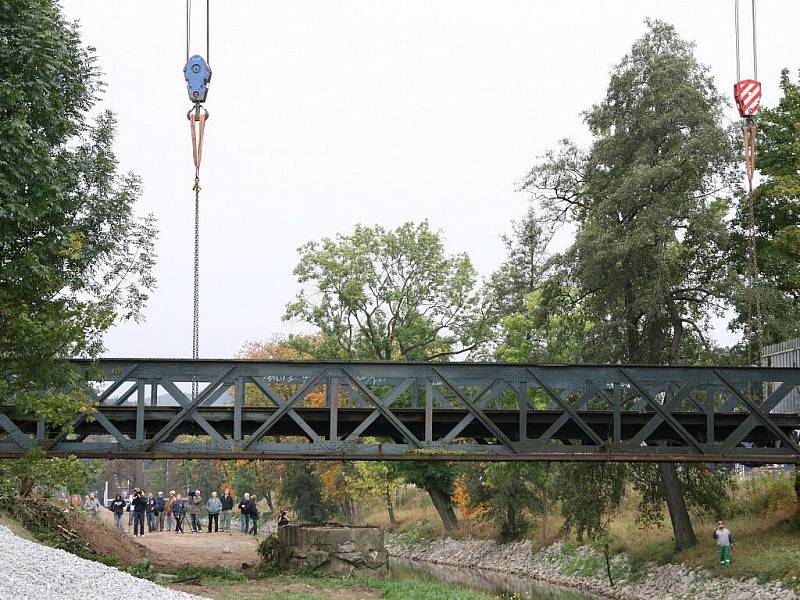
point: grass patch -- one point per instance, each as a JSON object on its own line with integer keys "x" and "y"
{"x": 214, "y": 575}
{"x": 322, "y": 587}
{"x": 423, "y": 532}
{"x": 411, "y": 589}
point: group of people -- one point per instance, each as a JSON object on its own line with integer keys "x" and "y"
{"x": 170, "y": 514}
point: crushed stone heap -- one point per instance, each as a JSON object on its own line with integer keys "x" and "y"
{"x": 35, "y": 572}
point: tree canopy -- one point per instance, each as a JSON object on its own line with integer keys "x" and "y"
{"x": 74, "y": 257}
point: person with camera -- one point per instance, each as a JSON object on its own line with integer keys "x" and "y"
{"x": 214, "y": 507}
{"x": 160, "y": 506}
{"x": 178, "y": 512}
{"x": 139, "y": 511}
{"x": 227, "y": 508}
{"x": 195, "y": 502}
{"x": 244, "y": 515}
{"x": 168, "y": 513}
{"x": 118, "y": 508}
{"x": 283, "y": 520}
{"x": 252, "y": 510}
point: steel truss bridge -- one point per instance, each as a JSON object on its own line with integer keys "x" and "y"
{"x": 422, "y": 411}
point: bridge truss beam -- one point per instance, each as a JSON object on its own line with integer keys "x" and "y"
{"x": 422, "y": 411}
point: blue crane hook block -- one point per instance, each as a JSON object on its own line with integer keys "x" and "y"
{"x": 198, "y": 75}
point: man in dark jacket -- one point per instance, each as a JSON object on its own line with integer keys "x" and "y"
{"x": 252, "y": 510}
{"x": 244, "y": 515}
{"x": 118, "y": 508}
{"x": 195, "y": 502}
{"x": 178, "y": 512}
{"x": 139, "y": 504}
{"x": 151, "y": 513}
{"x": 227, "y": 507}
{"x": 160, "y": 507}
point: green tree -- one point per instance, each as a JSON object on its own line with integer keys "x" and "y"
{"x": 377, "y": 480}
{"x": 302, "y": 488}
{"x": 648, "y": 201}
{"x": 392, "y": 295}
{"x": 73, "y": 256}
{"x": 389, "y": 295}
{"x": 705, "y": 488}
{"x": 777, "y": 217}
{"x": 525, "y": 266}
{"x": 34, "y": 473}
{"x": 589, "y": 494}
{"x": 436, "y": 478}
{"x": 515, "y": 491}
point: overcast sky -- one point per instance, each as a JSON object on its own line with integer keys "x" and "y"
{"x": 327, "y": 114}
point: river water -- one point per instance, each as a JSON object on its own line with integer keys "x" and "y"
{"x": 487, "y": 581}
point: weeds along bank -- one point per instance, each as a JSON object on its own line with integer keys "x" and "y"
{"x": 761, "y": 513}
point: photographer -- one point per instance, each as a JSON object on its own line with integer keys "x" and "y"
{"x": 195, "y": 502}
{"x": 139, "y": 510}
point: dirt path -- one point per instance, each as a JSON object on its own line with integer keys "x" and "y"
{"x": 208, "y": 549}
{"x": 204, "y": 549}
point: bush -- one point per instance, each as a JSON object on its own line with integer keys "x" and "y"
{"x": 764, "y": 493}
{"x": 189, "y": 572}
{"x": 142, "y": 569}
{"x": 267, "y": 549}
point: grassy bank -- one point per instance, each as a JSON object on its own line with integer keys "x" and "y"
{"x": 234, "y": 586}
{"x": 759, "y": 515}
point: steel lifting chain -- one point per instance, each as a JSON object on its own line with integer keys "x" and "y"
{"x": 197, "y": 73}
{"x": 747, "y": 94}
{"x": 754, "y": 322}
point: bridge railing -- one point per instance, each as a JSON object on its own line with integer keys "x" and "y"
{"x": 432, "y": 411}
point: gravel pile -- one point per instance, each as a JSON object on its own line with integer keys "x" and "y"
{"x": 584, "y": 568}
{"x": 34, "y": 572}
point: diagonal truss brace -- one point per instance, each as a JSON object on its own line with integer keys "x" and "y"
{"x": 385, "y": 412}
{"x": 283, "y": 410}
{"x": 386, "y": 402}
{"x": 665, "y": 414}
{"x": 281, "y": 403}
{"x": 565, "y": 406}
{"x": 188, "y": 409}
{"x": 479, "y": 414}
{"x": 755, "y": 411}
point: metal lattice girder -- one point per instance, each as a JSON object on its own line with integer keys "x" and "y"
{"x": 425, "y": 411}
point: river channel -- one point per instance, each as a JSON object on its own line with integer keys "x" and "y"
{"x": 487, "y": 581}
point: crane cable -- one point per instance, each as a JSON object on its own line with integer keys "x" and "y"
{"x": 747, "y": 94}
{"x": 198, "y": 88}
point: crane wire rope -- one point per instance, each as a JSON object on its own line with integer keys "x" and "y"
{"x": 197, "y": 120}
{"x": 753, "y": 296}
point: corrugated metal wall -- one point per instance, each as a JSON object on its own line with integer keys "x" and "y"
{"x": 784, "y": 354}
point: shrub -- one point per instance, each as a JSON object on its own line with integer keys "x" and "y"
{"x": 268, "y": 549}
{"x": 142, "y": 569}
{"x": 764, "y": 493}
